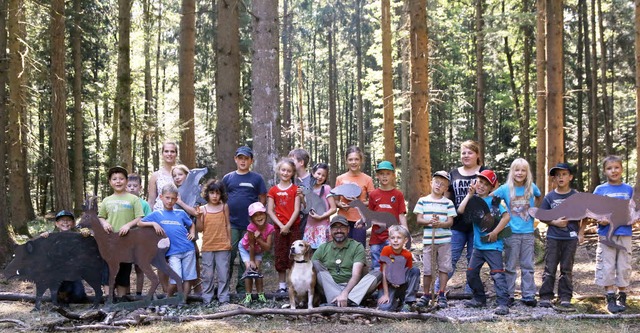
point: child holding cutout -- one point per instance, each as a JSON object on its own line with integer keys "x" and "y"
{"x": 393, "y": 296}
{"x": 256, "y": 241}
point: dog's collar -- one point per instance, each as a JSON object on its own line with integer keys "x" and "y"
{"x": 300, "y": 261}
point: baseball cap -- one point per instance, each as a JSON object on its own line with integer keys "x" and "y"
{"x": 385, "y": 165}
{"x": 256, "y": 207}
{"x": 560, "y": 166}
{"x": 245, "y": 151}
{"x": 64, "y": 213}
{"x": 117, "y": 169}
{"x": 442, "y": 174}
{"x": 339, "y": 219}
{"x": 489, "y": 175}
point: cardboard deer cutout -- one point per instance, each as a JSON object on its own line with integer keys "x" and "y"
{"x": 141, "y": 246}
{"x": 383, "y": 219}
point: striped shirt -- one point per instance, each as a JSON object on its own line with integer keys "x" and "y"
{"x": 443, "y": 208}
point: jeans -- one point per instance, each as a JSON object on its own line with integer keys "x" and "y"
{"x": 236, "y": 237}
{"x": 558, "y": 252}
{"x": 405, "y": 293}
{"x": 494, "y": 259}
{"x": 518, "y": 250}
{"x": 375, "y": 250}
{"x": 358, "y": 234}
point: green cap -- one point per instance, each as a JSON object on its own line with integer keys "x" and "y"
{"x": 385, "y": 165}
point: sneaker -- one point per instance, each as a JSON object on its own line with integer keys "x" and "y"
{"x": 529, "y": 301}
{"x": 282, "y": 291}
{"x": 564, "y": 304}
{"x": 545, "y": 303}
{"x": 247, "y": 299}
{"x": 261, "y": 298}
{"x": 612, "y": 306}
{"x": 423, "y": 302}
{"x": 442, "y": 302}
{"x": 511, "y": 302}
{"x": 621, "y": 300}
{"x": 473, "y": 303}
{"x": 408, "y": 307}
{"x": 502, "y": 310}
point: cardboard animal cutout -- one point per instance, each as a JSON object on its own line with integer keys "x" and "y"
{"x": 486, "y": 218}
{"x": 367, "y": 217}
{"x": 189, "y": 191}
{"x": 349, "y": 191}
{"x": 396, "y": 272}
{"x": 618, "y": 212}
{"x": 141, "y": 246}
{"x": 313, "y": 202}
{"x": 62, "y": 256}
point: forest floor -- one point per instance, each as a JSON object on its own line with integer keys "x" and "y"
{"x": 590, "y": 314}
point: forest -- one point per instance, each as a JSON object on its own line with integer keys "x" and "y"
{"x": 87, "y": 84}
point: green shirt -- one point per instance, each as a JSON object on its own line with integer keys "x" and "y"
{"x": 339, "y": 261}
{"x": 120, "y": 209}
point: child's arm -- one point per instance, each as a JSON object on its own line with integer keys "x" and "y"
{"x": 385, "y": 287}
{"x": 252, "y": 250}
{"x": 294, "y": 216}
{"x": 105, "y": 225}
{"x": 465, "y": 201}
{"x": 152, "y": 191}
{"x": 125, "y": 228}
{"x": 200, "y": 220}
{"x": 226, "y": 216}
{"x": 422, "y": 221}
{"x": 188, "y": 209}
{"x": 192, "y": 232}
{"x": 156, "y": 226}
{"x": 332, "y": 209}
{"x": 583, "y": 226}
{"x": 447, "y": 224}
{"x": 493, "y": 236}
{"x": 403, "y": 220}
{"x": 272, "y": 213}
{"x": 265, "y": 244}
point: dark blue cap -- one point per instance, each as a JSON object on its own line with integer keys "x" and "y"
{"x": 244, "y": 150}
{"x": 64, "y": 213}
{"x": 560, "y": 166}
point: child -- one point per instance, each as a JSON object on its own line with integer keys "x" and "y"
{"x": 435, "y": 212}
{"x": 487, "y": 252}
{"x": 134, "y": 184}
{"x": 179, "y": 173}
{"x": 256, "y": 241}
{"x": 301, "y": 159}
{"x": 69, "y": 291}
{"x": 394, "y": 296}
{"x": 354, "y": 175}
{"x": 283, "y": 207}
{"x": 317, "y": 231}
{"x": 518, "y": 194}
{"x": 119, "y": 212}
{"x": 613, "y": 266}
{"x": 386, "y": 198}
{"x": 213, "y": 222}
{"x": 562, "y": 241}
{"x": 177, "y": 226}
{"x": 244, "y": 187}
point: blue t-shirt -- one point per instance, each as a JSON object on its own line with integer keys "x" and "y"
{"x": 552, "y": 200}
{"x": 478, "y": 244}
{"x": 521, "y": 222}
{"x": 621, "y": 191}
{"x": 176, "y": 224}
{"x": 243, "y": 190}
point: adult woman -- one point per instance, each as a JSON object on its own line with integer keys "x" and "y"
{"x": 461, "y": 178}
{"x": 163, "y": 176}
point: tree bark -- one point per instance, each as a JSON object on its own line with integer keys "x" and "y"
{"x": 265, "y": 90}
{"x": 387, "y": 85}
{"x": 78, "y": 115}
{"x": 593, "y": 88}
{"x": 333, "y": 124}
{"x": 187, "y": 83}
{"x": 419, "y": 149}
{"x": 480, "y": 79}
{"x": 123, "y": 88}
{"x": 525, "y": 143}
{"x": 227, "y": 85}
{"x": 60, "y": 156}
{"x": 555, "y": 86}
{"x": 19, "y": 200}
{"x": 637, "y": 55}
{"x": 288, "y": 135}
{"x": 608, "y": 143}
{"x": 359, "y": 105}
{"x": 148, "y": 93}
{"x": 541, "y": 91}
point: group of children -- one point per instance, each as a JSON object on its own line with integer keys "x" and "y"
{"x": 234, "y": 220}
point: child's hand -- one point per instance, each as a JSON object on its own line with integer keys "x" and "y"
{"x": 603, "y": 222}
{"x": 107, "y": 227}
{"x": 85, "y": 232}
{"x": 124, "y": 230}
{"x": 158, "y": 229}
{"x": 284, "y": 230}
{"x": 435, "y": 221}
{"x": 359, "y": 224}
{"x": 472, "y": 189}
{"x": 580, "y": 237}
{"x": 191, "y": 236}
{"x": 256, "y": 233}
{"x": 492, "y": 237}
{"x": 383, "y": 299}
{"x": 44, "y": 234}
{"x": 252, "y": 265}
{"x": 560, "y": 223}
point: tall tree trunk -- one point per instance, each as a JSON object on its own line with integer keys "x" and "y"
{"x": 227, "y": 84}
{"x": 123, "y": 88}
{"x": 480, "y": 80}
{"x": 580, "y": 107}
{"x": 541, "y": 91}
{"x": 333, "y": 137}
{"x": 525, "y": 143}
{"x": 187, "y": 83}
{"x": 265, "y": 91}
{"x": 62, "y": 183}
{"x": 78, "y": 115}
{"x": 387, "y": 84}
{"x": 637, "y": 54}
{"x": 555, "y": 85}
{"x": 156, "y": 102}
{"x": 420, "y": 174}
{"x": 403, "y": 53}
{"x": 593, "y": 88}
{"x": 288, "y": 134}
{"x": 6, "y": 241}
{"x": 608, "y": 144}
{"x": 19, "y": 199}
{"x": 148, "y": 92}
{"x": 359, "y": 105}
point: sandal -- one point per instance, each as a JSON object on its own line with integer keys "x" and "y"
{"x": 423, "y": 302}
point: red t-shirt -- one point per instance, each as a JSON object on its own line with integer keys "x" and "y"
{"x": 284, "y": 201}
{"x": 385, "y": 201}
{"x": 387, "y": 251}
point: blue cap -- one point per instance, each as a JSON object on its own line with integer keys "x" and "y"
{"x": 245, "y": 151}
{"x": 560, "y": 166}
{"x": 64, "y": 213}
{"x": 385, "y": 165}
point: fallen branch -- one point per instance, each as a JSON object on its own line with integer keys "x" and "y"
{"x": 16, "y": 322}
{"x": 88, "y": 327}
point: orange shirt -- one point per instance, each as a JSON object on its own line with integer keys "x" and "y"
{"x": 387, "y": 251}
{"x": 215, "y": 235}
{"x": 366, "y": 185}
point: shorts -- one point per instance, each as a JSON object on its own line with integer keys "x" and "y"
{"x": 184, "y": 264}
{"x": 443, "y": 257}
{"x": 613, "y": 266}
{"x": 246, "y": 257}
